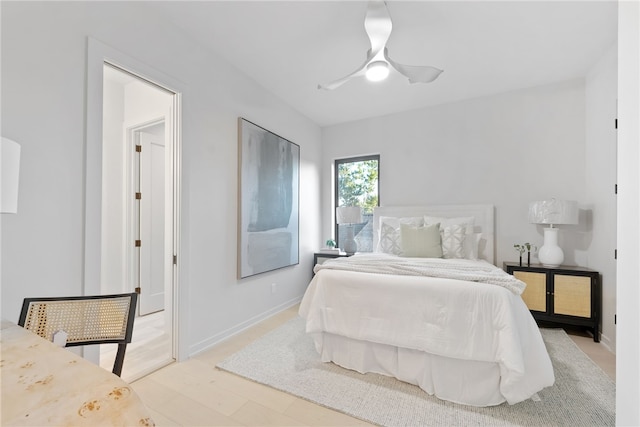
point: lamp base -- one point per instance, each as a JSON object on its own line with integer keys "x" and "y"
{"x": 550, "y": 254}
{"x": 350, "y": 246}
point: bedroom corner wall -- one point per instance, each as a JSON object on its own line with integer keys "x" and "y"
{"x": 44, "y": 61}
{"x": 601, "y": 112}
{"x": 507, "y": 149}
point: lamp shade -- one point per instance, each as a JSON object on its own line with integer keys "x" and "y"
{"x": 10, "y": 163}
{"x": 553, "y": 212}
{"x": 349, "y": 215}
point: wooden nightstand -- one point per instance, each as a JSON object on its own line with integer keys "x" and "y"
{"x": 320, "y": 257}
{"x": 563, "y": 295}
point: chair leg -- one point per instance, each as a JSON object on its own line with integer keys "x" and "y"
{"x": 117, "y": 365}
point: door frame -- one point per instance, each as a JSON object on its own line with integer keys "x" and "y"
{"x": 97, "y": 55}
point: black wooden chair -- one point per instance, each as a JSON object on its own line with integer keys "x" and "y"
{"x": 86, "y": 320}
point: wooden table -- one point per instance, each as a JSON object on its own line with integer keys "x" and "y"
{"x": 43, "y": 384}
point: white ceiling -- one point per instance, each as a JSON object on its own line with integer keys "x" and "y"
{"x": 484, "y": 47}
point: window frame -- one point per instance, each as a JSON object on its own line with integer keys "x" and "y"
{"x": 336, "y": 164}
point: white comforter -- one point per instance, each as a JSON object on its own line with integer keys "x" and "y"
{"x": 445, "y": 317}
{"x": 461, "y": 269}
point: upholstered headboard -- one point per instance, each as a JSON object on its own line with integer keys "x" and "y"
{"x": 483, "y": 214}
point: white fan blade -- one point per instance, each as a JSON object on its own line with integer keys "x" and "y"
{"x": 415, "y": 73}
{"x": 377, "y": 24}
{"x": 358, "y": 72}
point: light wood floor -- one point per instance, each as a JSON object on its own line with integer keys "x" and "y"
{"x": 195, "y": 393}
{"x": 149, "y": 350}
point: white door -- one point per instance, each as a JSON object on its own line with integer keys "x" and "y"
{"x": 152, "y": 251}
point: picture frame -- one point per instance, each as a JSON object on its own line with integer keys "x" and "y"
{"x": 268, "y": 200}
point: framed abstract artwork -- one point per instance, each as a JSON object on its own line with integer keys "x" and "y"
{"x": 268, "y": 200}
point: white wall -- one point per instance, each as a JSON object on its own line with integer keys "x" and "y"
{"x": 601, "y": 112}
{"x": 144, "y": 102}
{"x": 44, "y": 54}
{"x": 507, "y": 150}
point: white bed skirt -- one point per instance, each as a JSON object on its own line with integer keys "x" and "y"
{"x": 466, "y": 382}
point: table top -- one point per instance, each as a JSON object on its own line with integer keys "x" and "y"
{"x": 43, "y": 384}
{"x": 543, "y": 267}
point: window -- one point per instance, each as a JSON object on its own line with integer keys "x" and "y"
{"x": 356, "y": 184}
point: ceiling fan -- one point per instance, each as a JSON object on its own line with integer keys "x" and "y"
{"x": 377, "y": 24}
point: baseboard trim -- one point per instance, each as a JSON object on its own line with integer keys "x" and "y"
{"x": 608, "y": 343}
{"x": 230, "y": 332}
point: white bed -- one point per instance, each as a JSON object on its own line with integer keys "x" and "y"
{"x": 454, "y": 336}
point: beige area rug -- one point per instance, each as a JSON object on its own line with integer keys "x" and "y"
{"x": 285, "y": 359}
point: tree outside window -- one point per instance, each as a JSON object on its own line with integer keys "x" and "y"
{"x": 356, "y": 184}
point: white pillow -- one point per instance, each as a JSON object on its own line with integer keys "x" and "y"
{"x": 423, "y": 242}
{"x": 389, "y": 232}
{"x": 471, "y": 245}
{"x": 451, "y": 246}
{"x": 389, "y": 242}
{"x": 453, "y": 238}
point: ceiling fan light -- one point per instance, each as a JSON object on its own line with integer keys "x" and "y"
{"x": 377, "y": 70}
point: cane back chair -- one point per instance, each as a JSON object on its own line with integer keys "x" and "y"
{"x": 86, "y": 320}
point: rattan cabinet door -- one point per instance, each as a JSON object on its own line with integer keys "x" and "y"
{"x": 572, "y": 295}
{"x": 535, "y": 294}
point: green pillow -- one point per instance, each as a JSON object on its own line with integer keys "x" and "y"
{"x": 423, "y": 242}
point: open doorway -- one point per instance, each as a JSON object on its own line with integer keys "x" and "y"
{"x": 137, "y": 238}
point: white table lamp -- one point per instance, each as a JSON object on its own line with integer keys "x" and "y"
{"x": 349, "y": 215}
{"x": 10, "y": 163}
{"x": 552, "y": 212}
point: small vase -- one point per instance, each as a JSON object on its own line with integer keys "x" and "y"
{"x": 528, "y": 259}
{"x": 520, "y": 260}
